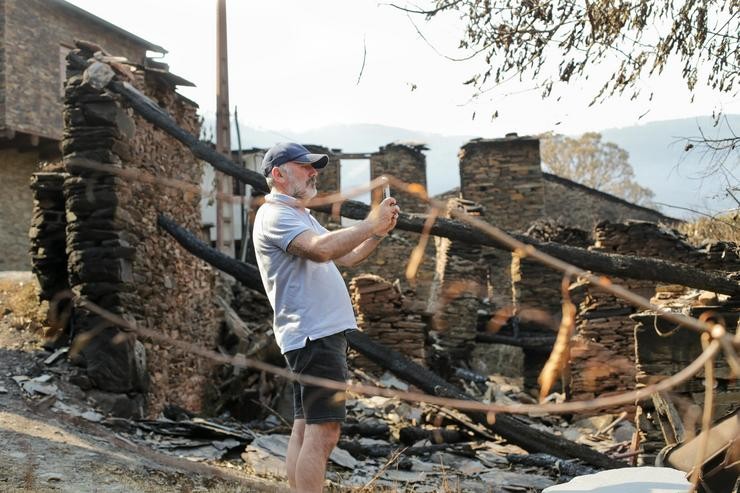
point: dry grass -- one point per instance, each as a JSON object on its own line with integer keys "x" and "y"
{"x": 725, "y": 227}
{"x": 20, "y": 304}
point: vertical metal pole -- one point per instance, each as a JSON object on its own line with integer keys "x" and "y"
{"x": 224, "y": 186}
{"x": 245, "y": 191}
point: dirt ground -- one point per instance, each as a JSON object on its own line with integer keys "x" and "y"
{"x": 43, "y": 450}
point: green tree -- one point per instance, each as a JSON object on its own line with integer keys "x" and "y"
{"x": 587, "y": 160}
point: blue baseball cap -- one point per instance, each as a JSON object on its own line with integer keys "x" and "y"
{"x": 286, "y": 152}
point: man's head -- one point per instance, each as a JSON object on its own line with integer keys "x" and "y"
{"x": 291, "y": 169}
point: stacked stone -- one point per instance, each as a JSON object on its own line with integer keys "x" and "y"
{"x": 99, "y": 248}
{"x": 47, "y": 234}
{"x": 602, "y": 352}
{"x": 571, "y": 203}
{"x": 645, "y": 239}
{"x": 329, "y": 183}
{"x": 121, "y": 261}
{"x": 662, "y": 349}
{"x": 504, "y": 176}
{"x": 460, "y": 283}
{"x": 405, "y": 161}
{"x": 603, "y": 357}
{"x": 177, "y": 290}
{"x": 535, "y": 285}
{"x": 391, "y": 258}
{"x": 383, "y": 314}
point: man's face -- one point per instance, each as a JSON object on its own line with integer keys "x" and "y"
{"x": 301, "y": 180}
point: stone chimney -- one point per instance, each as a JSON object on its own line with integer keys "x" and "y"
{"x": 406, "y": 161}
{"x": 505, "y": 177}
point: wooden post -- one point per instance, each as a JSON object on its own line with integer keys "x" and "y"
{"x": 224, "y": 185}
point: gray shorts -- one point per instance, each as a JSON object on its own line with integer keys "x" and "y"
{"x": 324, "y": 358}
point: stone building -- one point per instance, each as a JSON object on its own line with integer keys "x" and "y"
{"x": 95, "y": 232}
{"x": 35, "y": 37}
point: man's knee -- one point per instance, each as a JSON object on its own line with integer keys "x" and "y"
{"x": 327, "y": 434}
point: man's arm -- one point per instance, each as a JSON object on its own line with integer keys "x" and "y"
{"x": 351, "y": 245}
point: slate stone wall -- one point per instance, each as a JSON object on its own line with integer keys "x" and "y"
{"x": 48, "y": 233}
{"x": 575, "y": 205}
{"x": 385, "y": 315}
{"x": 35, "y": 33}
{"x": 390, "y": 260}
{"x": 460, "y": 283}
{"x": 505, "y": 177}
{"x": 122, "y": 262}
{"x": 16, "y": 205}
{"x": 329, "y": 183}
{"x": 406, "y": 162}
{"x": 2, "y": 65}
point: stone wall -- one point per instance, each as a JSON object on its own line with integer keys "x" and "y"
{"x": 2, "y": 66}
{"x": 329, "y": 183}
{"x": 503, "y": 176}
{"x": 16, "y": 204}
{"x": 390, "y": 260}
{"x": 603, "y": 359}
{"x": 405, "y": 162}
{"x": 385, "y": 315}
{"x": 575, "y": 205}
{"x": 48, "y": 234}
{"x": 36, "y": 34}
{"x": 121, "y": 261}
{"x": 663, "y": 350}
{"x": 460, "y": 283}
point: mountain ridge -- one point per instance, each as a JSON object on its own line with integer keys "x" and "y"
{"x": 656, "y": 152}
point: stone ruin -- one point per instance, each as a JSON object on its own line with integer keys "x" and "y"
{"x": 94, "y": 233}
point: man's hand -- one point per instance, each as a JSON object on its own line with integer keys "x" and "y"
{"x": 383, "y": 218}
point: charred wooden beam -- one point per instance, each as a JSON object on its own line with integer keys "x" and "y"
{"x": 381, "y": 450}
{"x": 563, "y": 467}
{"x": 412, "y": 434}
{"x": 511, "y": 428}
{"x": 369, "y": 429}
{"x": 526, "y": 342}
{"x": 246, "y": 274}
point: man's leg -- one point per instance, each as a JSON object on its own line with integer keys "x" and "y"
{"x": 318, "y": 442}
{"x": 294, "y": 448}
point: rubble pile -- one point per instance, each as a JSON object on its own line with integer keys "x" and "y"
{"x": 384, "y": 314}
{"x": 663, "y": 349}
{"x": 603, "y": 354}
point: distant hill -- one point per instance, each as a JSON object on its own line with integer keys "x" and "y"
{"x": 677, "y": 177}
{"x": 656, "y": 153}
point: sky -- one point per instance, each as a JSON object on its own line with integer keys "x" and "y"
{"x": 298, "y": 64}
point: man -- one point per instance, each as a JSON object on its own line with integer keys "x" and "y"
{"x": 296, "y": 258}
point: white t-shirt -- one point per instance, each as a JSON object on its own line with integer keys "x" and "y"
{"x": 310, "y": 299}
